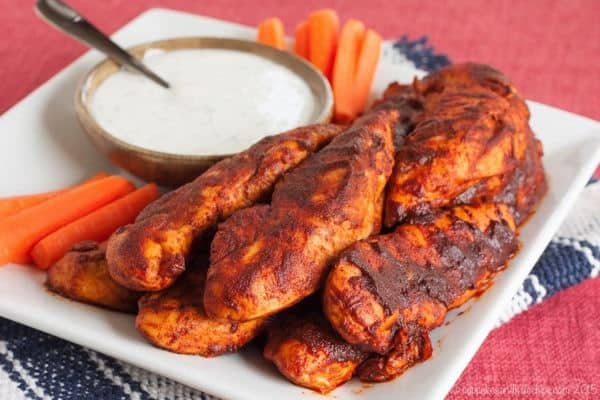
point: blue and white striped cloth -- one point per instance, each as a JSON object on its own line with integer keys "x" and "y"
{"x": 34, "y": 365}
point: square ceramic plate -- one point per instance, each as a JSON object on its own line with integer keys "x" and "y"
{"x": 42, "y": 147}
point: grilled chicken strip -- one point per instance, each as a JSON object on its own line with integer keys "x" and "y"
{"x": 413, "y": 276}
{"x": 174, "y": 319}
{"x": 327, "y": 203}
{"x": 308, "y": 352}
{"x": 150, "y": 254}
{"x": 82, "y": 275}
{"x": 472, "y": 143}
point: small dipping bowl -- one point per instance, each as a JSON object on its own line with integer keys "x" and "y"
{"x": 171, "y": 169}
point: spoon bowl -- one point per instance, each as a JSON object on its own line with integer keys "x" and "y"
{"x": 171, "y": 169}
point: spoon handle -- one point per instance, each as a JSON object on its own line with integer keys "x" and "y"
{"x": 69, "y": 21}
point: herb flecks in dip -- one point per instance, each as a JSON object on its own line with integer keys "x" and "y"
{"x": 220, "y": 102}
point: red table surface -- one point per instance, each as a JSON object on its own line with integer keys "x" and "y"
{"x": 551, "y": 49}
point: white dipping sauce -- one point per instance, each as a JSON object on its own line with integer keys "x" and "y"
{"x": 220, "y": 102}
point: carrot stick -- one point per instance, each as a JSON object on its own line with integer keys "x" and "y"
{"x": 365, "y": 71}
{"x": 323, "y": 26}
{"x": 97, "y": 226}
{"x": 271, "y": 33}
{"x": 14, "y": 204}
{"x": 344, "y": 70}
{"x": 301, "y": 43}
{"x": 21, "y": 231}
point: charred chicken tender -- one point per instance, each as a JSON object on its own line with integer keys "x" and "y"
{"x": 150, "y": 254}
{"x": 82, "y": 275}
{"x": 174, "y": 319}
{"x": 471, "y": 144}
{"x": 328, "y": 202}
{"x": 309, "y": 353}
{"x": 413, "y": 276}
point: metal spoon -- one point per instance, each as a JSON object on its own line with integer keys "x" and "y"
{"x": 69, "y": 21}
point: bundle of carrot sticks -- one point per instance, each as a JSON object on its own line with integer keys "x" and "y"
{"x": 43, "y": 227}
{"x": 347, "y": 57}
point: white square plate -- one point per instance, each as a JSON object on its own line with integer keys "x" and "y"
{"x": 42, "y": 147}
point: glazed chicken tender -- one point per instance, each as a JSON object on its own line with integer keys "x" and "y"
{"x": 309, "y": 353}
{"x": 150, "y": 254}
{"x": 174, "y": 319}
{"x": 471, "y": 144}
{"x": 82, "y": 275}
{"x": 410, "y": 278}
{"x": 330, "y": 201}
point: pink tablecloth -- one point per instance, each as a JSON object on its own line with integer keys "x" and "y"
{"x": 551, "y": 49}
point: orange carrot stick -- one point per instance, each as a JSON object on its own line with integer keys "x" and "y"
{"x": 21, "y": 231}
{"x": 14, "y": 204}
{"x": 301, "y": 46}
{"x": 97, "y": 226}
{"x": 344, "y": 70}
{"x": 271, "y": 33}
{"x": 365, "y": 71}
{"x": 323, "y": 26}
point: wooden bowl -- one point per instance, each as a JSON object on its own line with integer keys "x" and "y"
{"x": 170, "y": 169}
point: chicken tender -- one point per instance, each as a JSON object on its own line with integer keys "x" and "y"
{"x": 174, "y": 319}
{"x": 327, "y": 203}
{"x": 414, "y": 275}
{"x": 150, "y": 254}
{"x": 471, "y": 144}
{"x": 309, "y": 353}
{"x": 82, "y": 275}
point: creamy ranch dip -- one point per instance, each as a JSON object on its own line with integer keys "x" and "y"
{"x": 220, "y": 102}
